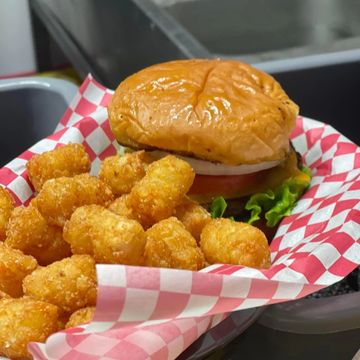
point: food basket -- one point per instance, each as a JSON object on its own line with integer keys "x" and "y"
{"x": 157, "y": 313}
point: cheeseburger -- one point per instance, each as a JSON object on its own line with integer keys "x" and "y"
{"x": 230, "y": 121}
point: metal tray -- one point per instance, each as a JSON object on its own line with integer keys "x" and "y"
{"x": 31, "y": 107}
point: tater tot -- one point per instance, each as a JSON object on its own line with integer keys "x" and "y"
{"x": 170, "y": 245}
{"x": 14, "y": 266}
{"x": 78, "y": 230}
{"x": 193, "y": 216}
{"x": 230, "y": 242}
{"x": 156, "y": 195}
{"x": 33, "y": 202}
{"x": 6, "y": 207}
{"x": 56, "y": 250}
{"x": 81, "y": 317}
{"x": 110, "y": 238}
{"x": 119, "y": 241}
{"x": 121, "y": 173}
{"x": 23, "y": 321}
{"x": 59, "y": 197}
{"x": 67, "y": 160}
{"x": 28, "y": 231}
{"x": 69, "y": 283}
{"x": 120, "y": 207}
{"x": 4, "y": 295}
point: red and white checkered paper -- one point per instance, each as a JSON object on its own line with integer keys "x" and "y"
{"x": 145, "y": 313}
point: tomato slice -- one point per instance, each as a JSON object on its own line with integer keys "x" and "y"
{"x": 221, "y": 185}
{"x": 206, "y": 187}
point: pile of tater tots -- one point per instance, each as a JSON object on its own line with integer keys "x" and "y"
{"x": 135, "y": 212}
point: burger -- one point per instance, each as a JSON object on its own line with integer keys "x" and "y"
{"x": 230, "y": 121}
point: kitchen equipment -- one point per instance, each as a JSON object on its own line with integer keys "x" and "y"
{"x": 260, "y": 342}
{"x": 31, "y": 107}
{"x": 276, "y": 36}
{"x": 101, "y": 43}
{"x": 279, "y": 32}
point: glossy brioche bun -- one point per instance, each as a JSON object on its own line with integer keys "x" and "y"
{"x": 218, "y": 110}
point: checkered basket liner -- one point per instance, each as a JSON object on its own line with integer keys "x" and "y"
{"x": 153, "y": 313}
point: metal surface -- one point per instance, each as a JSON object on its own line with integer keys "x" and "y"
{"x": 329, "y": 94}
{"x": 315, "y": 316}
{"x": 274, "y": 35}
{"x": 31, "y": 108}
{"x": 222, "y": 334}
{"x": 112, "y": 39}
{"x": 259, "y": 342}
{"x": 261, "y": 30}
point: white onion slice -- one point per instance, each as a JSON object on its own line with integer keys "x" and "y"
{"x": 203, "y": 167}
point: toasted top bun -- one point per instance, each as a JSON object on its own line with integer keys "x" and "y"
{"x": 222, "y": 111}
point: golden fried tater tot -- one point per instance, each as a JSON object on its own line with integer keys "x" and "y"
{"x": 69, "y": 283}
{"x": 156, "y": 195}
{"x": 6, "y": 207}
{"x": 122, "y": 172}
{"x": 4, "y": 295}
{"x": 33, "y": 202}
{"x": 59, "y": 197}
{"x": 67, "y": 160}
{"x": 230, "y": 242}
{"x": 14, "y": 266}
{"x": 119, "y": 241}
{"x": 81, "y": 317}
{"x": 56, "y": 250}
{"x": 110, "y": 238}
{"x": 22, "y": 321}
{"x": 28, "y": 231}
{"x": 170, "y": 245}
{"x": 193, "y": 216}
{"x": 120, "y": 207}
{"x": 78, "y": 230}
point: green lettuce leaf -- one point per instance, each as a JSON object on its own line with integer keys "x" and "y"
{"x": 273, "y": 204}
{"x": 279, "y": 202}
{"x": 218, "y": 207}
